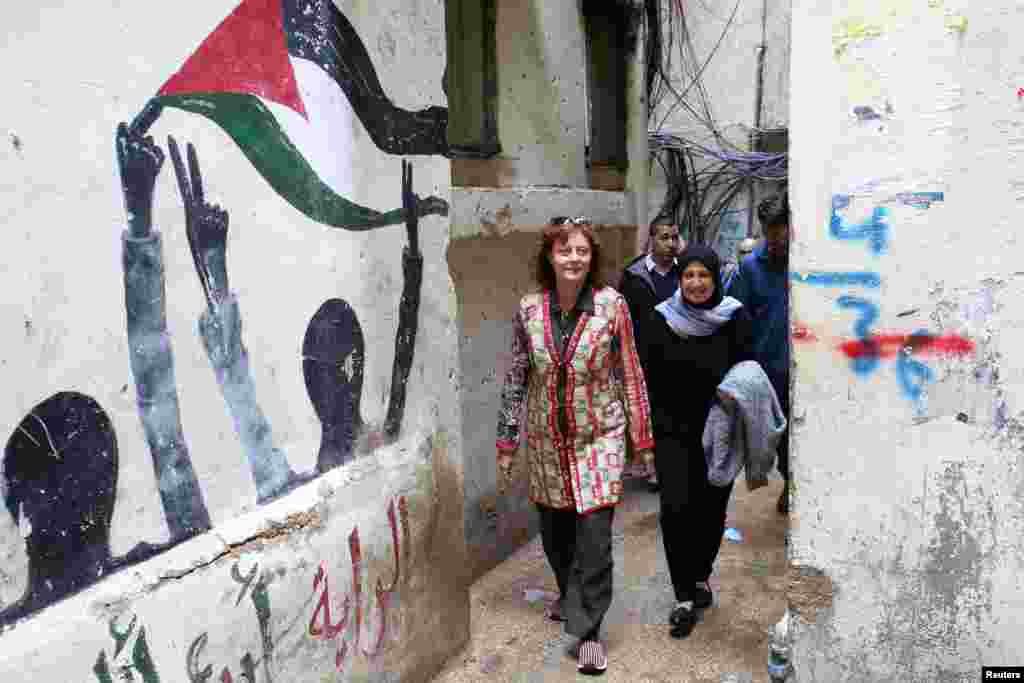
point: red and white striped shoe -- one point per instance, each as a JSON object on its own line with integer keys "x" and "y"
{"x": 592, "y": 658}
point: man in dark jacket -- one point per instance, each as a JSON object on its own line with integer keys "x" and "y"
{"x": 650, "y": 279}
{"x": 761, "y": 283}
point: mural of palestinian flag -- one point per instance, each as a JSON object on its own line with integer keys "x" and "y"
{"x": 305, "y": 56}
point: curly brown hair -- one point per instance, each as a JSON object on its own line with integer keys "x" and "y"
{"x": 558, "y": 230}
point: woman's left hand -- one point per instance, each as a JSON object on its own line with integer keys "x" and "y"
{"x": 726, "y": 399}
{"x": 646, "y": 457}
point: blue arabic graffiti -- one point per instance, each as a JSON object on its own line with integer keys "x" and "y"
{"x": 912, "y": 374}
{"x": 868, "y": 362}
{"x": 839, "y": 279}
{"x": 920, "y": 200}
{"x": 874, "y": 230}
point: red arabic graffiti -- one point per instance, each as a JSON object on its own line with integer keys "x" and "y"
{"x": 889, "y": 345}
{"x": 802, "y": 333}
{"x": 321, "y": 625}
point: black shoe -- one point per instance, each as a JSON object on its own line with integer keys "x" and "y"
{"x": 683, "y": 620}
{"x": 702, "y": 597}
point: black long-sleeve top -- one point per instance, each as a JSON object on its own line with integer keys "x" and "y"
{"x": 683, "y": 373}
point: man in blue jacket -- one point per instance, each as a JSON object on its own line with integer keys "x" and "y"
{"x": 762, "y": 283}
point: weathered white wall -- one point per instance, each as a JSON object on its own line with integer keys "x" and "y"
{"x": 728, "y": 43}
{"x": 906, "y": 540}
{"x": 81, "y": 69}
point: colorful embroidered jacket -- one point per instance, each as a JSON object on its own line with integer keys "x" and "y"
{"x": 581, "y": 469}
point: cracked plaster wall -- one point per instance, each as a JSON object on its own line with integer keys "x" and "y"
{"x": 908, "y": 497}
{"x": 64, "y": 330}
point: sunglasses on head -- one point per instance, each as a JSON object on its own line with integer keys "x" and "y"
{"x": 575, "y": 220}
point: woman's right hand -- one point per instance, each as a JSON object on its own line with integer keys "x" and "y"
{"x": 505, "y": 457}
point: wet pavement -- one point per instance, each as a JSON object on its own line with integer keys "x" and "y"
{"x": 512, "y": 641}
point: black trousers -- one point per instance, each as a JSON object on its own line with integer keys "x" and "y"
{"x": 692, "y": 513}
{"x": 782, "y": 390}
{"x": 579, "y": 550}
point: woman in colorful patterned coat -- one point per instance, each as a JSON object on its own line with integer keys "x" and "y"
{"x": 572, "y": 342}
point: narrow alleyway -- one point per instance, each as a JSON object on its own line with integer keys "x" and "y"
{"x": 511, "y": 640}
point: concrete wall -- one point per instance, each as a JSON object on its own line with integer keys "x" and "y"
{"x": 540, "y": 98}
{"x": 542, "y": 105}
{"x": 906, "y": 544}
{"x": 728, "y": 42}
{"x": 193, "y": 491}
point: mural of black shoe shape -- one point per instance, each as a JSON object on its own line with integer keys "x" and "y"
{"x": 60, "y": 482}
{"x": 220, "y": 328}
{"x": 60, "y": 469}
{"x": 332, "y": 363}
{"x": 333, "y": 354}
{"x": 149, "y": 343}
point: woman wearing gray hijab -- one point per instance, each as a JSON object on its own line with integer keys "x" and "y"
{"x": 694, "y": 339}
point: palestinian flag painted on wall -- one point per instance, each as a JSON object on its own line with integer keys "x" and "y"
{"x": 305, "y": 56}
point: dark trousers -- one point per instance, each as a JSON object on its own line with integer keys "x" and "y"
{"x": 692, "y": 513}
{"x": 579, "y": 550}
{"x": 782, "y": 390}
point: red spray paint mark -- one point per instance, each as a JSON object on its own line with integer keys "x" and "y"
{"x": 1020, "y": 93}
{"x": 804, "y": 334}
{"x": 888, "y": 345}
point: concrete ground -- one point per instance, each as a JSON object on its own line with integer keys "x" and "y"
{"x": 512, "y": 641}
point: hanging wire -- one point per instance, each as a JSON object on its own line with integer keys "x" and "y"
{"x": 702, "y": 178}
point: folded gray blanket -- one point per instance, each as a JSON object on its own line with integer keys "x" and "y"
{"x": 743, "y": 433}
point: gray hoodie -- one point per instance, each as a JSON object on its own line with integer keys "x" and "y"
{"x": 747, "y": 433}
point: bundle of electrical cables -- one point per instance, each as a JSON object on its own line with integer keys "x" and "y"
{"x": 703, "y": 178}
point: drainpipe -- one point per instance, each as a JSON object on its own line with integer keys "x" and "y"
{"x": 758, "y": 105}
{"x": 636, "y": 142}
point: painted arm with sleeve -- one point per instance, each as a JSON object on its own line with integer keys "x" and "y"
{"x": 149, "y": 343}
{"x": 220, "y": 328}
{"x": 408, "y": 308}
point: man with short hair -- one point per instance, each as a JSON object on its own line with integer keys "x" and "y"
{"x": 651, "y": 278}
{"x": 761, "y": 283}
